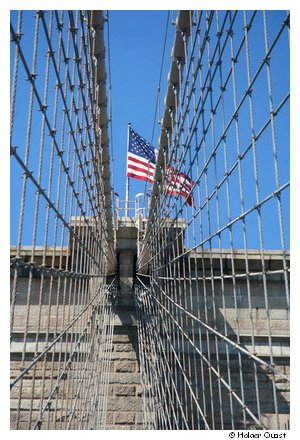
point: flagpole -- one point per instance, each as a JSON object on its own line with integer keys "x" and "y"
{"x": 127, "y": 180}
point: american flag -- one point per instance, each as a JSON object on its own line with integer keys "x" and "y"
{"x": 179, "y": 183}
{"x": 141, "y": 164}
{"x": 141, "y": 157}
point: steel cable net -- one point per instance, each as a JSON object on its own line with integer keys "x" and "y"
{"x": 61, "y": 308}
{"x": 213, "y": 292}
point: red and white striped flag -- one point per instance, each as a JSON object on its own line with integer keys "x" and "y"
{"x": 179, "y": 183}
{"x": 141, "y": 163}
{"x": 140, "y": 158}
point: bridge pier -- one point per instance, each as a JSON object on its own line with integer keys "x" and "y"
{"x": 124, "y": 409}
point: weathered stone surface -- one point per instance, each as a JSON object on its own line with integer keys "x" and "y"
{"x": 270, "y": 421}
{"x": 124, "y": 347}
{"x": 139, "y": 390}
{"x": 124, "y": 418}
{"x": 119, "y": 427}
{"x": 125, "y": 367}
{"x": 125, "y": 318}
{"x": 124, "y": 390}
{"x": 110, "y": 390}
{"x": 110, "y": 418}
{"x": 139, "y": 418}
{"x": 125, "y": 338}
{"x": 124, "y": 404}
{"x": 122, "y": 356}
{"x": 125, "y": 378}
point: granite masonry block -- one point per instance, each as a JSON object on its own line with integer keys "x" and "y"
{"x": 124, "y": 390}
{"x": 124, "y": 418}
{"x": 125, "y": 367}
{"x": 124, "y": 404}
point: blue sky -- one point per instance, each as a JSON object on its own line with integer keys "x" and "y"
{"x": 136, "y": 49}
{"x": 135, "y": 55}
{"x": 136, "y": 40}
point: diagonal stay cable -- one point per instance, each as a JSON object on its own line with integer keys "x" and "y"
{"x": 41, "y": 355}
{"x": 220, "y": 335}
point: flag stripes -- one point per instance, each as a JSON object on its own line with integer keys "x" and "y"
{"x": 179, "y": 183}
{"x": 141, "y": 164}
{"x": 140, "y": 168}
